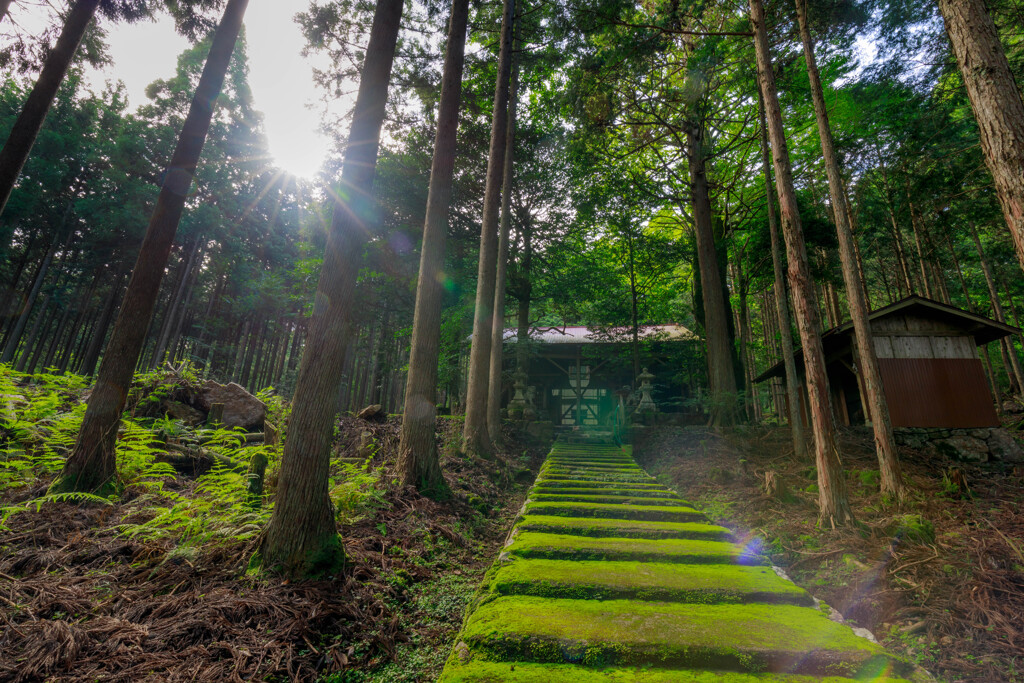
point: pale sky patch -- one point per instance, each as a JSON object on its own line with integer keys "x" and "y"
{"x": 281, "y": 78}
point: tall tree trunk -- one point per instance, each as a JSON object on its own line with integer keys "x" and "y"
{"x": 418, "y": 463}
{"x": 796, "y": 422}
{"x": 19, "y": 328}
{"x": 99, "y": 332}
{"x": 878, "y": 407}
{"x": 634, "y": 315}
{"x": 834, "y": 507}
{"x": 30, "y": 120}
{"x": 926, "y": 282}
{"x": 302, "y": 538}
{"x": 494, "y": 384}
{"x": 33, "y": 335}
{"x": 475, "y": 439}
{"x": 996, "y": 102}
{"x": 174, "y": 307}
{"x": 525, "y": 287}
{"x": 91, "y": 464}
{"x": 1011, "y": 362}
{"x": 5, "y": 6}
{"x": 721, "y": 372}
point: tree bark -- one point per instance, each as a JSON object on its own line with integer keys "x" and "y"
{"x": 996, "y": 102}
{"x": 91, "y": 464}
{"x": 30, "y": 120}
{"x": 5, "y": 6}
{"x": 99, "y": 333}
{"x": 796, "y": 422}
{"x": 494, "y": 384}
{"x": 721, "y": 372}
{"x": 1014, "y": 371}
{"x": 834, "y": 507}
{"x": 302, "y": 538}
{"x": 875, "y": 400}
{"x": 418, "y": 463}
{"x": 475, "y": 439}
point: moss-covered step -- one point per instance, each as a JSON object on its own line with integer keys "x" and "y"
{"x": 611, "y": 467}
{"x": 652, "y": 513}
{"x": 651, "y": 581}
{"x": 555, "y": 475}
{"x": 643, "y": 492}
{"x": 534, "y": 544}
{"x": 576, "y": 483}
{"x": 622, "y": 528}
{"x": 609, "y": 497}
{"x": 607, "y": 462}
{"x": 480, "y": 671}
{"x": 753, "y": 638}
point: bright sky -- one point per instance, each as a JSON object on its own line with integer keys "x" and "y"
{"x": 281, "y": 80}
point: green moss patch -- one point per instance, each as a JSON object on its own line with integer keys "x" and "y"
{"x": 609, "y": 497}
{"x": 651, "y": 581}
{"x": 527, "y": 672}
{"x": 753, "y": 638}
{"x": 653, "y": 513}
{"x": 623, "y": 528}
{"x": 533, "y": 544}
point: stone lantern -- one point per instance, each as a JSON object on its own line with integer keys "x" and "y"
{"x": 646, "y": 404}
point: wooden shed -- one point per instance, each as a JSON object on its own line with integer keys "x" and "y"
{"x": 928, "y": 357}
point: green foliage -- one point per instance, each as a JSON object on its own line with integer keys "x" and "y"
{"x": 39, "y": 419}
{"x": 358, "y": 491}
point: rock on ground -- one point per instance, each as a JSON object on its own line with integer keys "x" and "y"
{"x": 241, "y": 409}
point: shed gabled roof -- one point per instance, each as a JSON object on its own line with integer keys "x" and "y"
{"x": 581, "y": 334}
{"x": 984, "y": 330}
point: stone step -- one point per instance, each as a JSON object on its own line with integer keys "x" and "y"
{"x": 625, "y": 499}
{"x": 651, "y": 513}
{"x": 576, "y": 483}
{"x": 535, "y": 544}
{"x": 746, "y": 638}
{"x": 609, "y": 576}
{"x": 479, "y": 671}
{"x": 643, "y": 492}
{"x": 622, "y": 528}
{"x": 651, "y": 581}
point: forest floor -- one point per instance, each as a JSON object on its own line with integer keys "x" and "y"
{"x": 940, "y": 579}
{"x": 83, "y": 598}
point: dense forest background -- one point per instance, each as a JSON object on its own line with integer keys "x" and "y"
{"x": 600, "y": 214}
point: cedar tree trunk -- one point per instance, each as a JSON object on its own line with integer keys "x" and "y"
{"x": 33, "y": 112}
{"x": 796, "y": 421}
{"x": 91, "y": 464}
{"x": 302, "y": 538}
{"x": 475, "y": 439}
{"x": 834, "y": 507}
{"x": 996, "y": 102}
{"x": 885, "y": 443}
{"x": 721, "y": 373}
{"x": 501, "y": 269}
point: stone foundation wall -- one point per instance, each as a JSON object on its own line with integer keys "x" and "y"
{"x": 967, "y": 445}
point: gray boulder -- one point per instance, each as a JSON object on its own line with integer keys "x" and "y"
{"x": 1004, "y": 447}
{"x": 241, "y": 409}
{"x": 962, "y": 447}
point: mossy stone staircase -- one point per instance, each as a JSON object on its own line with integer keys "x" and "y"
{"x": 610, "y": 576}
